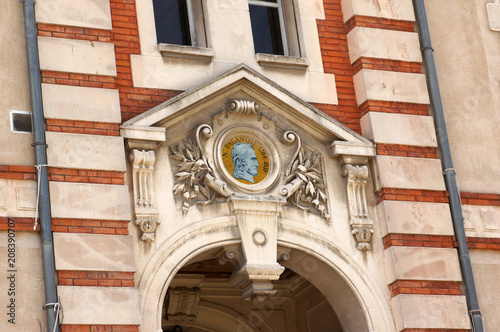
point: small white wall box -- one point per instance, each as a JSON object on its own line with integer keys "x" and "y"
{"x": 20, "y": 122}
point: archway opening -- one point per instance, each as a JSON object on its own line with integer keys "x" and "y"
{"x": 200, "y": 298}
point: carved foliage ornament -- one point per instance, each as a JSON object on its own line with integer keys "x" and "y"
{"x": 247, "y": 137}
{"x": 195, "y": 179}
{"x": 146, "y": 214}
{"x": 304, "y": 186}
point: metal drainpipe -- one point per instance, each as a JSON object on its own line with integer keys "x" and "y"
{"x": 448, "y": 170}
{"x": 41, "y": 161}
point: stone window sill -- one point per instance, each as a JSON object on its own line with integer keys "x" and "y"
{"x": 281, "y": 61}
{"x": 186, "y": 52}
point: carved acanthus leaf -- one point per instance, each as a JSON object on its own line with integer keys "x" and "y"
{"x": 304, "y": 185}
{"x": 195, "y": 180}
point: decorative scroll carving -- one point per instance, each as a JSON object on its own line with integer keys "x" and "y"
{"x": 196, "y": 181}
{"x": 283, "y": 254}
{"x": 361, "y": 224}
{"x": 146, "y": 214}
{"x": 243, "y": 107}
{"x": 304, "y": 186}
{"x": 231, "y": 254}
{"x": 205, "y": 167}
{"x": 183, "y": 304}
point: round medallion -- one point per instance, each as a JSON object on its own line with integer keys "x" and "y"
{"x": 259, "y": 237}
{"x": 245, "y": 158}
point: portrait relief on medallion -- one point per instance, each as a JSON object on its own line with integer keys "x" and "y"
{"x": 245, "y": 159}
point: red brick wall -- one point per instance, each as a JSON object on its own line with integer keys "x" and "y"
{"x": 125, "y": 36}
{"x": 99, "y": 328}
{"x": 425, "y": 287}
{"x": 92, "y": 278}
{"x": 335, "y": 55}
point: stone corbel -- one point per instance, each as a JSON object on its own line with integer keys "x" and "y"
{"x": 141, "y": 142}
{"x": 354, "y": 159}
{"x": 183, "y": 303}
{"x": 146, "y": 214}
{"x": 361, "y": 224}
{"x": 256, "y": 263}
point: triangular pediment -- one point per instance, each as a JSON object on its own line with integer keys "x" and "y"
{"x": 246, "y": 83}
{"x": 241, "y": 138}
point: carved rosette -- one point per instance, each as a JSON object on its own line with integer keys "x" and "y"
{"x": 146, "y": 214}
{"x": 361, "y": 224}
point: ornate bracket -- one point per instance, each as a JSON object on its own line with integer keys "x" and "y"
{"x": 183, "y": 303}
{"x": 146, "y": 214}
{"x": 361, "y": 224}
{"x": 255, "y": 280}
{"x": 255, "y": 263}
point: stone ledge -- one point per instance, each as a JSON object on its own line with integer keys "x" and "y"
{"x": 186, "y": 52}
{"x": 281, "y": 61}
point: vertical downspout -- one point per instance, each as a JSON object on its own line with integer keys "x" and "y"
{"x": 448, "y": 170}
{"x": 40, "y": 146}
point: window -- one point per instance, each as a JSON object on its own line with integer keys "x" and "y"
{"x": 274, "y": 27}
{"x": 20, "y": 122}
{"x": 179, "y": 22}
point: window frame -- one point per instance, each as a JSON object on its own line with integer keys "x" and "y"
{"x": 196, "y": 23}
{"x": 281, "y": 16}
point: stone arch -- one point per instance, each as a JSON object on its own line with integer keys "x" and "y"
{"x": 363, "y": 307}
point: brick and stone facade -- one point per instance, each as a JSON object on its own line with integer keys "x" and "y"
{"x": 367, "y": 245}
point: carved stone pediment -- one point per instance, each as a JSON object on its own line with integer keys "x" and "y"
{"x": 242, "y": 136}
{"x": 243, "y": 152}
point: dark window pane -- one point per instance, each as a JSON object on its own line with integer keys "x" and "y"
{"x": 266, "y": 30}
{"x": 22, "y": 122}
{"x": 172, "y": 23}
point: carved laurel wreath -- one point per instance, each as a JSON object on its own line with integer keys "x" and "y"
{"x": 304, "y": 186}
{"x": 196, "y": 181}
